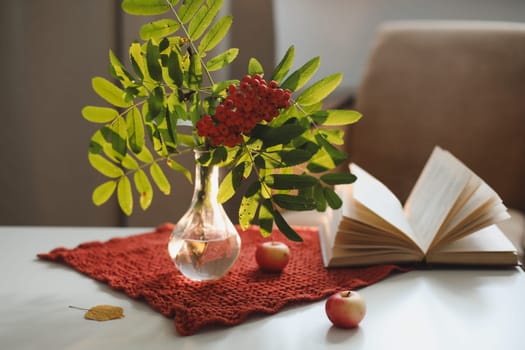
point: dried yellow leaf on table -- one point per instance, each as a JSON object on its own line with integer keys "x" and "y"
{"x": 104, "y": 313}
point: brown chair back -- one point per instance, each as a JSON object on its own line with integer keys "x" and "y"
{"x": 457, "y": 84}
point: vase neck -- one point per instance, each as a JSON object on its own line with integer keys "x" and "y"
{"x": 206, "y": 185}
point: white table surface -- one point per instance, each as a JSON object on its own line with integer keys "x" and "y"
{"x": 431, "y": 309}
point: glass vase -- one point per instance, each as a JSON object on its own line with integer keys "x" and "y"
{"x": 204, "y": 244}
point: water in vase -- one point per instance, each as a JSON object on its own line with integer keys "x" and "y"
{"x": 204, "y": 260}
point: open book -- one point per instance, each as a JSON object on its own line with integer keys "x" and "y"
{"x": 448, "y": 218}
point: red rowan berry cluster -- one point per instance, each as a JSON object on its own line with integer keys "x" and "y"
{"x": 253, "y": 101}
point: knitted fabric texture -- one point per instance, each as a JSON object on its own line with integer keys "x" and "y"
{"x": 140, "y": 266}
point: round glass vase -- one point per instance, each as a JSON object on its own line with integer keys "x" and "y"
{"x": 204, "y": 244}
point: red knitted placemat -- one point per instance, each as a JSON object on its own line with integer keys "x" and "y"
{"x": 140, "y": 266}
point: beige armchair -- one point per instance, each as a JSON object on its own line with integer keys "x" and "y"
{"x": 457, "y": 84}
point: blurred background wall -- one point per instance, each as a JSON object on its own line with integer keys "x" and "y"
{"x": 51, "y": 50}
{"x": 342, "y": 31}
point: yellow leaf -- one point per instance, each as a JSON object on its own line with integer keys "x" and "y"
{"x": 104, "y": 313}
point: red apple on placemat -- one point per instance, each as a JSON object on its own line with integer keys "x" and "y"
{"x": 345, "y": 309}
{"x": 272, "y": 256}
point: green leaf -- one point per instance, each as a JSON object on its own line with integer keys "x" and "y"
{"x": 103, "y": 192}
{"x": 171, "y": 122}
{"x": 195, "y": 73}
{"x": 338, "y": 178}
{"x": 145, "y": 155}
{"x": 308, "y": 146}
{"x": 152, "y": 61}
{"x": 146, "y": 7}
{"x": 332, "y": 198}
{"x": 144, "y": 188}
{"x": 178, "y": 167}
{"x": 319, "y": 90}
{"x": 308, "y": 192}
{"x": 175, "y": 68}
{"x": 301, "y": 76}
{"x": 104, "y": 166}
{"x": 255, "y": 67}
{"x": 165, "y": 43}
{"x": 219, "y": 155}
{"x": 101, "y": 142}
{"x": 266, "y": 218}
{"x": 335, "y": 117}
{"x": 137, "y": 60}
{"x": 131, "y": 92}
{"x": 186, "y": 140}
{"x": 291, "y": 202}
{"x": 204, "y": 158}
{"x": 109, "y": 92}
{"x": 319, "y": 197}
{"x": 334, "y": 136}
{"x": 96, "y": 143}
{"x": 230, "y": 183}
{"x": 260, "y": 161}
{"x": 238, "y": 174}
{"x": 99, "y": 114}
{"x": 119, "y": 72}
{"x": 284, "y": 65}
{"x": 248, "y": 167}
{"x": 158, "y": 29}
{"x": 290, "y": 181}
{"x": 155, "y": 104}
{"x": 226, "y": 189}
{"x": 188, "y": 9}
{"x": 247, "y": 210}
{"x": 285, "y": 228}
{"x": 336, "y": 155}
{"x": 159, "y": 178}
{"x": 203, "y": 19}
{"x": 269, "y": 160}
{"x": 194, "y": 108}
{"x": 295, "y": 156}
{"x": 253, "y": 189}
{"x": 135, "y": 129}
{"x": 124, "y": 195}
{"x": 221, "y": 87}
{"x": 275, "y": 136}
{"x": 215, "y": 34}
{"x": 129, "y": 162}
{"x": 222, "y": 59}
{"x": 320, "y": 162}
{"x": 312, "y": 108}
{"x": 119, "y": 136}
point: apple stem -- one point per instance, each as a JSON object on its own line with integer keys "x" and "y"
{"x": 346, "y": 294}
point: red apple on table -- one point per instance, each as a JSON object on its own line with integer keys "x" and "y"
{"x": 345, "y": 309}
{"x": 272, "y": 256}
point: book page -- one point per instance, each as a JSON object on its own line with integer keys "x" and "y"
{"x": 342, "y": 255}
{"x": 486, "y": 216}
{"x": 488, "y": 246}
{"x": 436, "y": 192}
{"x": 348, "y": 254}
{"x": 371, "y": 194}
{"x": 479, "y": 209}
{"x": 353, "y": 234}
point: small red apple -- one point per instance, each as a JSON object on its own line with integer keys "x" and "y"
{"x": 272, "y": 256}
{"x": 345, "y": 309}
